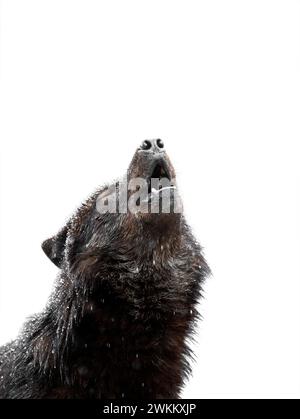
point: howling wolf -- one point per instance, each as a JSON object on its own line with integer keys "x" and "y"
{"x": 124, "y": 302}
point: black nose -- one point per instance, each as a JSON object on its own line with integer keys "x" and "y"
{"x": 152, "y": 145}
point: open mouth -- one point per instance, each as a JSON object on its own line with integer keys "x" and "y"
{"x": 160, "y": 171}
{"x": 160, "y": 179}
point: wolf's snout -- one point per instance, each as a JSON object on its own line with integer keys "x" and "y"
{"x": 154, "y": 146}
{"x": 151, "y": 161}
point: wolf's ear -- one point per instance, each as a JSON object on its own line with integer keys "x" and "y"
{"x": 55, "y": 246}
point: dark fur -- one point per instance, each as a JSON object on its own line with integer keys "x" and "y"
{"x": 122, "y": 309}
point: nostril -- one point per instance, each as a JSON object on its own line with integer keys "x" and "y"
{"x": 146, "y": 145}
{"x": 160, "y": 143}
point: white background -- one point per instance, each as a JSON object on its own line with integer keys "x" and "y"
{"x": 84, "y": 82}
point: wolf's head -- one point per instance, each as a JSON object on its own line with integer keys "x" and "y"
{"x": 126, "y": 219}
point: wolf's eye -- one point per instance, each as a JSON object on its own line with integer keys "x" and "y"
{"x": 146, "y": 145}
